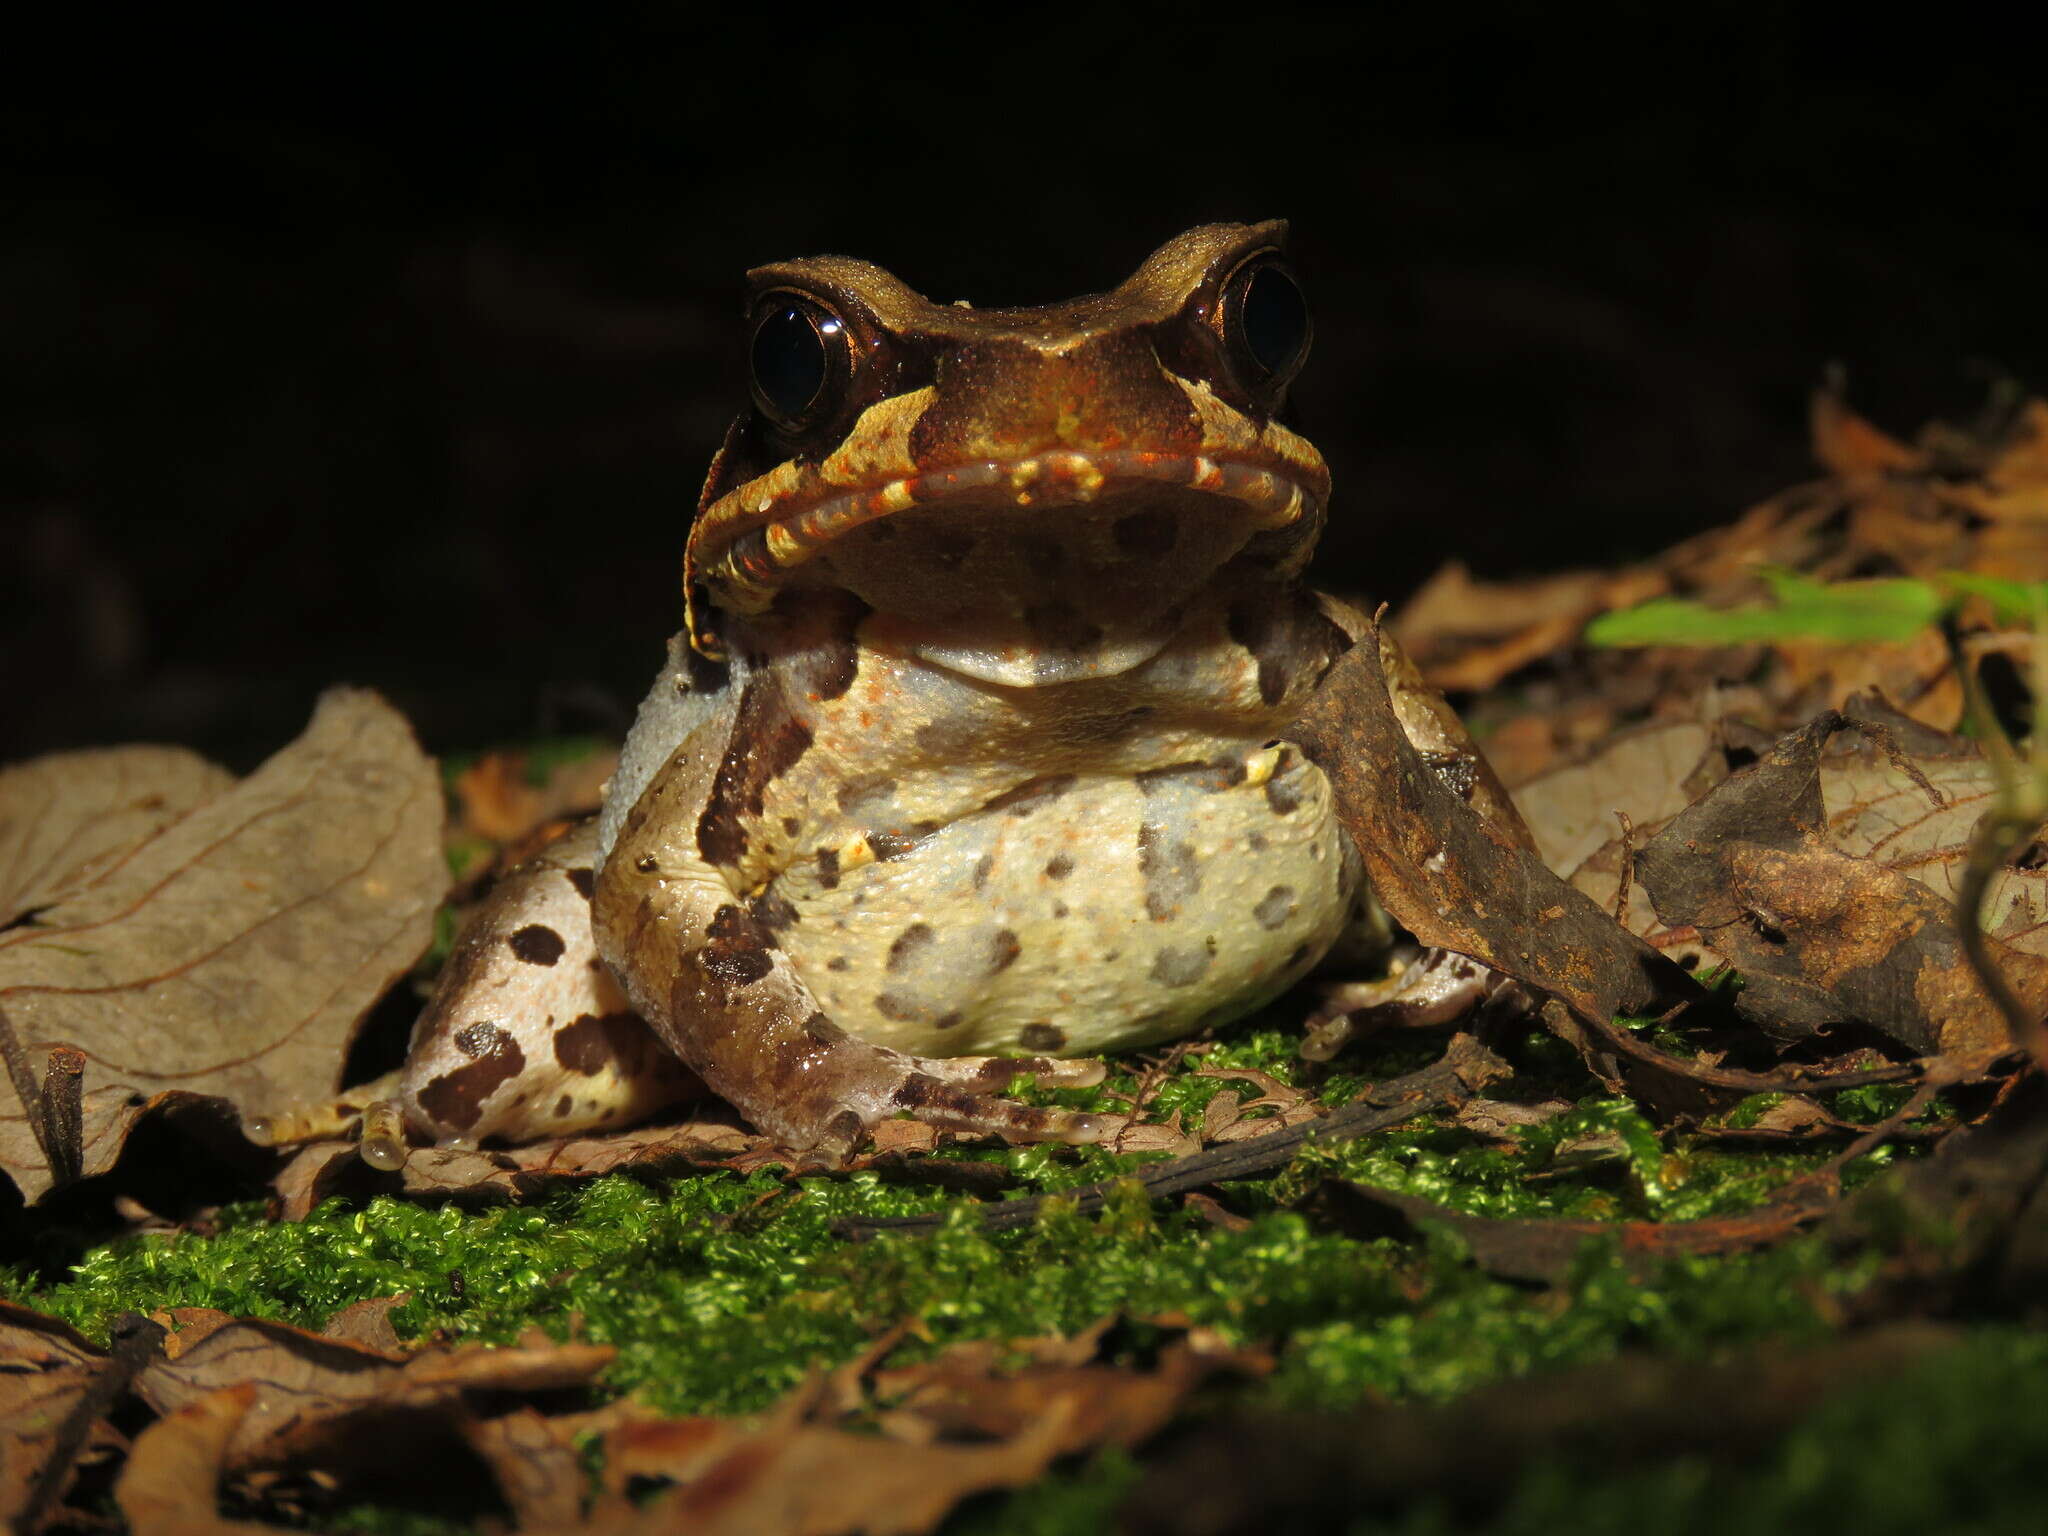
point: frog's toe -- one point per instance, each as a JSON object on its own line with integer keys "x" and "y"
{"x": 1434, "y": 987}
{"x": 955, "y": 1108}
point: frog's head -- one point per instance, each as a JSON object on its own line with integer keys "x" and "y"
{"x": 1060, "y": 478}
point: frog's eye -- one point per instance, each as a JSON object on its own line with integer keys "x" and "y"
{"x": 1265, "y": 321}
{"x": 799, "y": 355}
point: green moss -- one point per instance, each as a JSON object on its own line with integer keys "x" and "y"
{"x": 721, "y": 1292}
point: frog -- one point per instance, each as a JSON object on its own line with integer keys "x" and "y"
{"x": 970, "y": 763}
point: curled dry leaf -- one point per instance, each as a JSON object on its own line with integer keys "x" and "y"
{"x": 1819, "y": 912}
{"x": 232, "y": 954}
{"x": 310, "y": 1391}
{"x": 1453, "y": 881}
{"x": 956, "y": 1425}
{"x": 47, "y": 1370}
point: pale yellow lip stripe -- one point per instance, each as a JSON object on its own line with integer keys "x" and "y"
{"x": 747, "y": 571}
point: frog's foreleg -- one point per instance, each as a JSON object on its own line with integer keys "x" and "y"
{"x": 712, "y": 982}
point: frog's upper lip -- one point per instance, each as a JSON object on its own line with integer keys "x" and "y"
{"x": 775, "y": 534}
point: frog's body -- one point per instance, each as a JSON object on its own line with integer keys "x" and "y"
{"x": 987, "y": 757}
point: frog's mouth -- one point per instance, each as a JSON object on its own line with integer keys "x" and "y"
{"x": 1112, "y": 540}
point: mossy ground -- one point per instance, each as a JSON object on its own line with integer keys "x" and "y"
{"x": 720, "y": 1293}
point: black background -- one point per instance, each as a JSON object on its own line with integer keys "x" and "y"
{"x": 393, "y": 353}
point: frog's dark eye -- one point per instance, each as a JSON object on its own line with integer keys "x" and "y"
{"x": 1265, "y": 321}
{"x": 798, "y": 358}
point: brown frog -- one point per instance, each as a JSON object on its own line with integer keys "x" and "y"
{"x": 972, "y": 760}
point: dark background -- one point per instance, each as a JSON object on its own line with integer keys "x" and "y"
{"x": 394, "y": 354}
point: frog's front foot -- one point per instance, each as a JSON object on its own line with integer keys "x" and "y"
{"x": 953, "y": 1093}
{"x": 368, "y": 1114}
{"x": 1433, "y": 986}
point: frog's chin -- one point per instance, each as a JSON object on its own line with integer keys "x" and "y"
{"x": 1023, "y": 655}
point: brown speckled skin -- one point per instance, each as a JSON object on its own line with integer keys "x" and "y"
{"x": 989, "y": 755}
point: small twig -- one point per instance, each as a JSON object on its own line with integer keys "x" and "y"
{"x": 1459, "y": 1073}
{"x": 1628, "y": 865}
{"x": 1779, "y": 1080}
{"x": 136, "y": 1342}
{"x": 61, "y": 1112}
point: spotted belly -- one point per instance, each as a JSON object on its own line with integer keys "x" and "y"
{"x": 1081, "y": 914}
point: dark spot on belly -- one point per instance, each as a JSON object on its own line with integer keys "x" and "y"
{"x": 1003, "y": 949}
{"x": 1059, "y": 866}
{"x": 910, "y": 944}
{"x": 562, "y": 1107}
{"x": 455, "y": 1100}
{"x": 823, "y": 1030}
{"x": 1255, "y": 841}
{"x": 1146, "y": 534}
{"x": 1031, "y": 794}
{"x": 1179, "y": 965}
{"x": 537, "y": 944}
{"x": 1042, "y": 1037}
{"x": 983, "y": 868}
{"x": 791, "y": 826}
{"x": 647, "y": 864}
{"x": 837, "y": 963}
{"x": 596, "y": 1041}
{"x": 1169, "y": 867}
{"x": 585, "y": 881}
{"x": 1283, "y": 795}
{"x": 828, "y": 868}
{"x": 1059, "y": 909}
{"x": 1275, "y": 907}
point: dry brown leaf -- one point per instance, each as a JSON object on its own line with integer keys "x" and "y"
{"x": 536, "y": 1463}
{"x": 171, "y": 1485}
{"x": 1648, "y": 774}
{"x": 794, "y": 1476}
{"x": 1820, "y": 934}
{"x": 1849, "y": 446}
{"x": 308, "y": 1387}
{"x": 1450, "y": 879}
{"x": 958, "y": 1394}
{"x": 368, "y": 1323}
{"x": 66, "y": 819}
{"x": 46, "y": 1370}
{"x": 234, "y": 953}
{"x": 497, "y": 799}
{"x": 808, "y": 1480}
